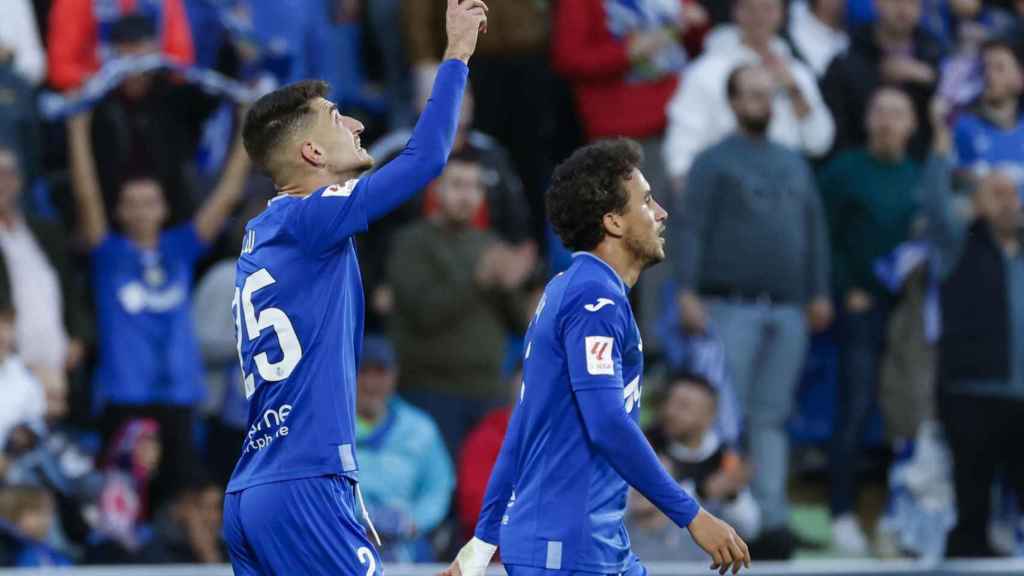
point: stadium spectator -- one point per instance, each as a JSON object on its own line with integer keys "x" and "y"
{"x": 964, "y": 26}
{"x": 870, "y": 197}
{"x": 699, "y": 458}
{"x": 991, "y": 136}
{"x": 457, "y": 295}
{"x": 981, "y": 349}
{"x": 751, "y": 258}
{"x": 894, "y": 49}
{"x": 150, "y": 124}
{"x": 120, "y": 525}
{"x": 26, "y": 518}
{"x": 817, "y": 29}
{"x": 149, "y": 362}
{"x": 504, "y": 211}
{"x": 19, "y": 41}
{"x": 699, "y": 113}
{"x": 188, "y": 531}
{"x": 477, "y": 456}
{"x": 407, "y": 474}
{"x": 38, "y": 280}
{"x": 82, "y": 35}
{"x": 517, "y": 93}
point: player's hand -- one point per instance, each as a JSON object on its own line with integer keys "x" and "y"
{"x": 465, "y": 20}
{"x": 692, "y": 311}
{"x": 721, "y": 542}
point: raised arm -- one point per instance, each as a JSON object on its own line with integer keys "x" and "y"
{"x": 84, "y": 182}
{"x": 425, "y": 155}
{"x": 215, "y": 210}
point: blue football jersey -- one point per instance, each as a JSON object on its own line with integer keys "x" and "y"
{"x": 298, "y": 310}
{"x": 568, "y": 503}
{"x": 148, "y": 349}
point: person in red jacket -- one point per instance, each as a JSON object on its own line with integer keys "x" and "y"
{"x": 77, "y": 35}
{"x": 623, "y": 59}
{"x": 477, "y": 455}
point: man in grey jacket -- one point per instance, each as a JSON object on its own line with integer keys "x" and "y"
{"x": 752, "y": 262}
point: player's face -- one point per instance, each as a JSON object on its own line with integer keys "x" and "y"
{"x": 141, "y": 209}
{"x": 688, "y": 411}
{"x": 645, "y": 221}
{"x": 338, "y": 137}
{"x": 460, "y": 192}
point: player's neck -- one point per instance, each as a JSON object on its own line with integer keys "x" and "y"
{"x": 621, "y": 260}
{"x": 309, "y": 183}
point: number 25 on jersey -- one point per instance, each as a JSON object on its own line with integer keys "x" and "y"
{"x": 255, "y": 323}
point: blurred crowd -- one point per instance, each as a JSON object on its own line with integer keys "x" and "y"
{"x": 845, "y": 273}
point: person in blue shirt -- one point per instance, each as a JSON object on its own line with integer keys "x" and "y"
{"x": 407, "y": 474}
{"x": 149, "y": 363}
{"x": 991, "y": 136}
{"x": 291, "y": 501}
{"x": 557, "y": 495}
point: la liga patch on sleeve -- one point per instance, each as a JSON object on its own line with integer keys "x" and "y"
{"x": 599, "y": 355}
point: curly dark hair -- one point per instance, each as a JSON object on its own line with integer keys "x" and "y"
{"x": 275, "y": 115}
{"x": 588, "y": 185}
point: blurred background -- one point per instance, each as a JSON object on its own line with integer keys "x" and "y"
{"x": 834, "y": 346}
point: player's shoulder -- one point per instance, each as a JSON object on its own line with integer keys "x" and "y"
{"x": 591, "y": 288}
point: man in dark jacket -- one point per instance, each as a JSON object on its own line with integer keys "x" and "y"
{"x": 981, "y": 349}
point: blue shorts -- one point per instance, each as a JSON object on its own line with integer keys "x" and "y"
{"x": 306, "y": 526}
{"x": 634, "y": 570}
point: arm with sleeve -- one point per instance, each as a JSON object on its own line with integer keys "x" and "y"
{"x": 945, "y": 232}
{"x": 333, "y": 214}
{"x": 612, "y": 432}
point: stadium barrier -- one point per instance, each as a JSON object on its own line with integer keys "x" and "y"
{"x": 1007, "y": 567}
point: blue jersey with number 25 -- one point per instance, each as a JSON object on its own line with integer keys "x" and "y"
{"x": 298, "y": 308}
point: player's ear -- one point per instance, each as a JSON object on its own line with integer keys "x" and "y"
{"x": 313, "y": 154}
{"x": 613, "y": 225}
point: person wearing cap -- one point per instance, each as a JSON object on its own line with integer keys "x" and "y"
{"x": 406, "y": 473}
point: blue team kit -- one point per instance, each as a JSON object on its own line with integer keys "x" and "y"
{"x": 298, "y": 305}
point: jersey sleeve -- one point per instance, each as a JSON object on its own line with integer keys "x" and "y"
{"x": 593, "y": 324}
{"x": 329, "y": 216}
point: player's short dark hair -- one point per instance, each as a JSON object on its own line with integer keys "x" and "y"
{"x": 690, "y": 378}
{"x": 732, "y": 85}
{"x": 275, "y": 115}
{"x": 588, "y": 185}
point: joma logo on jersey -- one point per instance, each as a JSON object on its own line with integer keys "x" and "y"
{"x": 631, "y": 395}
{"x": 601, "y": 303}
{"x": 599, "y": 355}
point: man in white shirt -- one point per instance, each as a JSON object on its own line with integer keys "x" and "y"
{"x": 699, "y": 113}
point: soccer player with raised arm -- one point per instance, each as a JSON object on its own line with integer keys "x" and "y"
{"x": 557, "y": 495}
{"x": 292, "y": 500}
